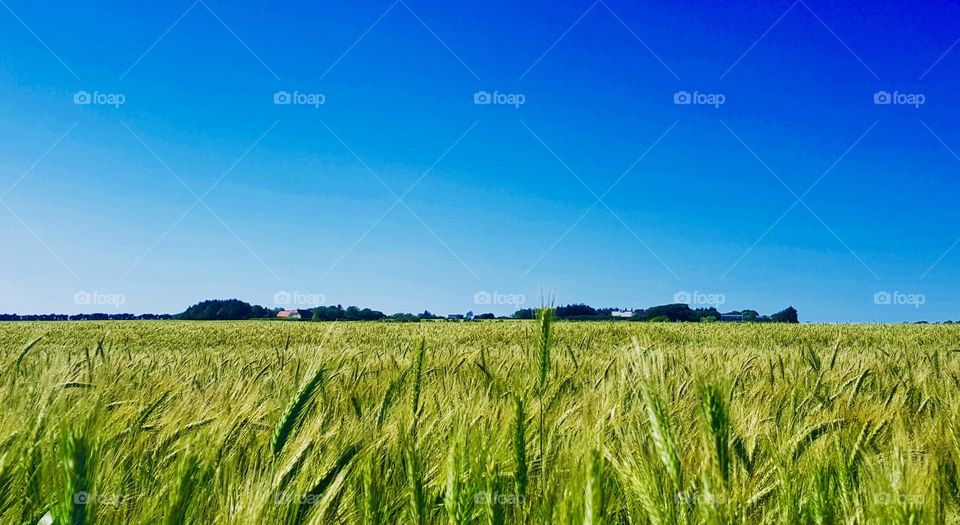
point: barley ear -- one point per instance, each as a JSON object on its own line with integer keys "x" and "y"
{"x": 545, "y": 316}
{"x": 294, "y": 411}
{"x": 662, "y": 436}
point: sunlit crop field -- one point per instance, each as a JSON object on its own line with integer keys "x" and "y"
{"x": 492, "y": 422}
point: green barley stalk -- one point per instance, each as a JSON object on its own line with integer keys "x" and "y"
{"x": 594, "y": 497}
{"x": 30, "y": 465}
{"x": 857, "y": 386}
{"x": 33, "y": 502}
{"x": 6, "y": 478}
{"x": 545, "y": 316}
{"x": 294, "y": 411}
{"x": 493, "y": 513}
{"x": 718, "y": 425}
{"x": 99, "y": 350}
{"x": 740, "y": 449}
{"x": 374, "y": 479}
{"x": 454, "y": 500}
{"x": 417, "y": 504}
{"x": 26, "y": 349}
{"x": 893, "y": 393}
{"x": 191, "y": 476}
{"x": 546, "y": 321}
{"x": 180, "y": 432}
{"x": 292, "y": 468}
{"x": 147, "y": 412}
{"x": 856, "y": 454}
{"x": 808, "y": 437}
{"x": 417, "y": 384}
{"x": 328, "y": 489}
{"x": 519, "y": 449}
{"x": 389, "y": 396}
{"x": 75, "y": 507}
{"x": 662, "y": 435}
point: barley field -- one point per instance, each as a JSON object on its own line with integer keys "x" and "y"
{"x": 265, "y": 422}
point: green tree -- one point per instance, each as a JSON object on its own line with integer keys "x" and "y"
{"x": 787, "y": 315}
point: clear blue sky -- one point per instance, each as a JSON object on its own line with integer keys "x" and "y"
{"x": 200, "y": 186}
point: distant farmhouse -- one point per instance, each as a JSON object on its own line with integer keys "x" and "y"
{"x": 625, "y": 314}
{"x": 294, "y": 314}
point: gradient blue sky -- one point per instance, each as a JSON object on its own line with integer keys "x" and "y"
{"x": 300, "y": 199}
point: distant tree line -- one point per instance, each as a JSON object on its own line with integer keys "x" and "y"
{"x": 226, "y": 310}
{"x": 675, "y": 313}
{"x": 236, "y": 310}
{"x": 353, "y": 313}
